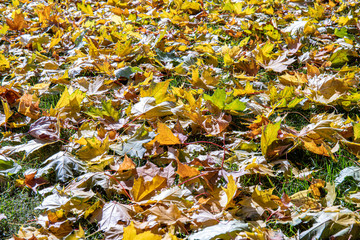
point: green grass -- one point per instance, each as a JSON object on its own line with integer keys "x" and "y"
{"x": 49, "y": 101}
{"x": 18, "y": 205}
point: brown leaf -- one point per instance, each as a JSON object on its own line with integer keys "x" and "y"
{"x": 18, "y": 23}
{"x": 32, "y": 182}
{"x": 28, "y": 108}
{"x": 9, "y": 94}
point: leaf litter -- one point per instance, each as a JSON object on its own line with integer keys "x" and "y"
{"x": 172, "y": 113}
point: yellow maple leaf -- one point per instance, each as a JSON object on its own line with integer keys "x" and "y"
{"x": 293, "y": 80}
{"x": 268, "y": 136}
{"x": 4, "y": 63}
{"x": 78, "y": 234}
{"x": 127, "y": 164}
{"x": 158, "y": 91}
{"x": 142, "y": 190}
{"x": 264, "y": 198}
{"x": 165, "y": 136}
{"x": 130, "y": 233}
{"x": 230, "y": 190}
{"x": 93, "y": 148}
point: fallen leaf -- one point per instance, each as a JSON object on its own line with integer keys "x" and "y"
{"x": 143, "y": 190}
{"x": 130, "y": 233}
{"x": 127, "y": 164}
{"x": 165, "y": 136}
{"x": 45, "y": 129}
{"x": 186, "y": 171}
{"x": 114, "y": 213}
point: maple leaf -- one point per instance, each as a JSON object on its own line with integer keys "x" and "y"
{"x": 169, "y": 215}
{"x": 45, "y": 129}
{"x": 142, "y": 190}
{"x": 93, "y": 147}
{"x": 230, "y": 191}
{"x": 130, "y": 233}
{"x": 268, "y": 136}
{"x": 164, "y": 137}
{"x": 127, "y": 164}
{"x": 278, "y": 65}
{"x": 18, "y": 23}
{"x": 113, "y": 213}
{"x": 186, "y": 171}
{"x": 32, "y": 182}
{"x": 64, "y": 165}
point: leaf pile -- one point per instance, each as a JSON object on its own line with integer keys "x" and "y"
{"x": 172, "y": 119}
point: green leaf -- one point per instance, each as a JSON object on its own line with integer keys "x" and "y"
{"x": 339, "y": 58}
{"x": 218, "y": 98}
{"x": 8, "y": 166}
{"x": 236, "y": 105}
{"x": 224, "y": 102}
{"x": 110, "y": 111}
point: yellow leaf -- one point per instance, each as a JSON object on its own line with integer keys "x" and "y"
{"x": 8, "y": 113}
{"x": 123, "y": 49}
{"x": 4, "y": 63}
{"x": 204, "y": 48}
{"x": 317, "y": 12}
{"x": 4, "y": 29}
{"x": 85, "y": 8}
{"x": 77, "y": 234}
{"x": 264, "y": 198}
{"x": 18, "y": 23}
{"x": 93, "y": 148}
{"x": 158, "y": 91}
{"x": 72, "y": 101}
{"x": 311, "y": 146}
{"x": 142, "y": 190}
{"x": 268, "y": 136}
{"x": 312, "y": 70}
{"x": 356, "y": 128}
{"x": 247, "y": 90}
{"x": 309, "y": 28}
{"x": 230, "y": 190}
{"x": 131, "y": 234}
{"x": 228, "y": 60}
{"x": 164, "y": 137}
{"x": 15, "y": 3}
{"x": 293, "y": 80}
{"x": 56, "y": 39}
